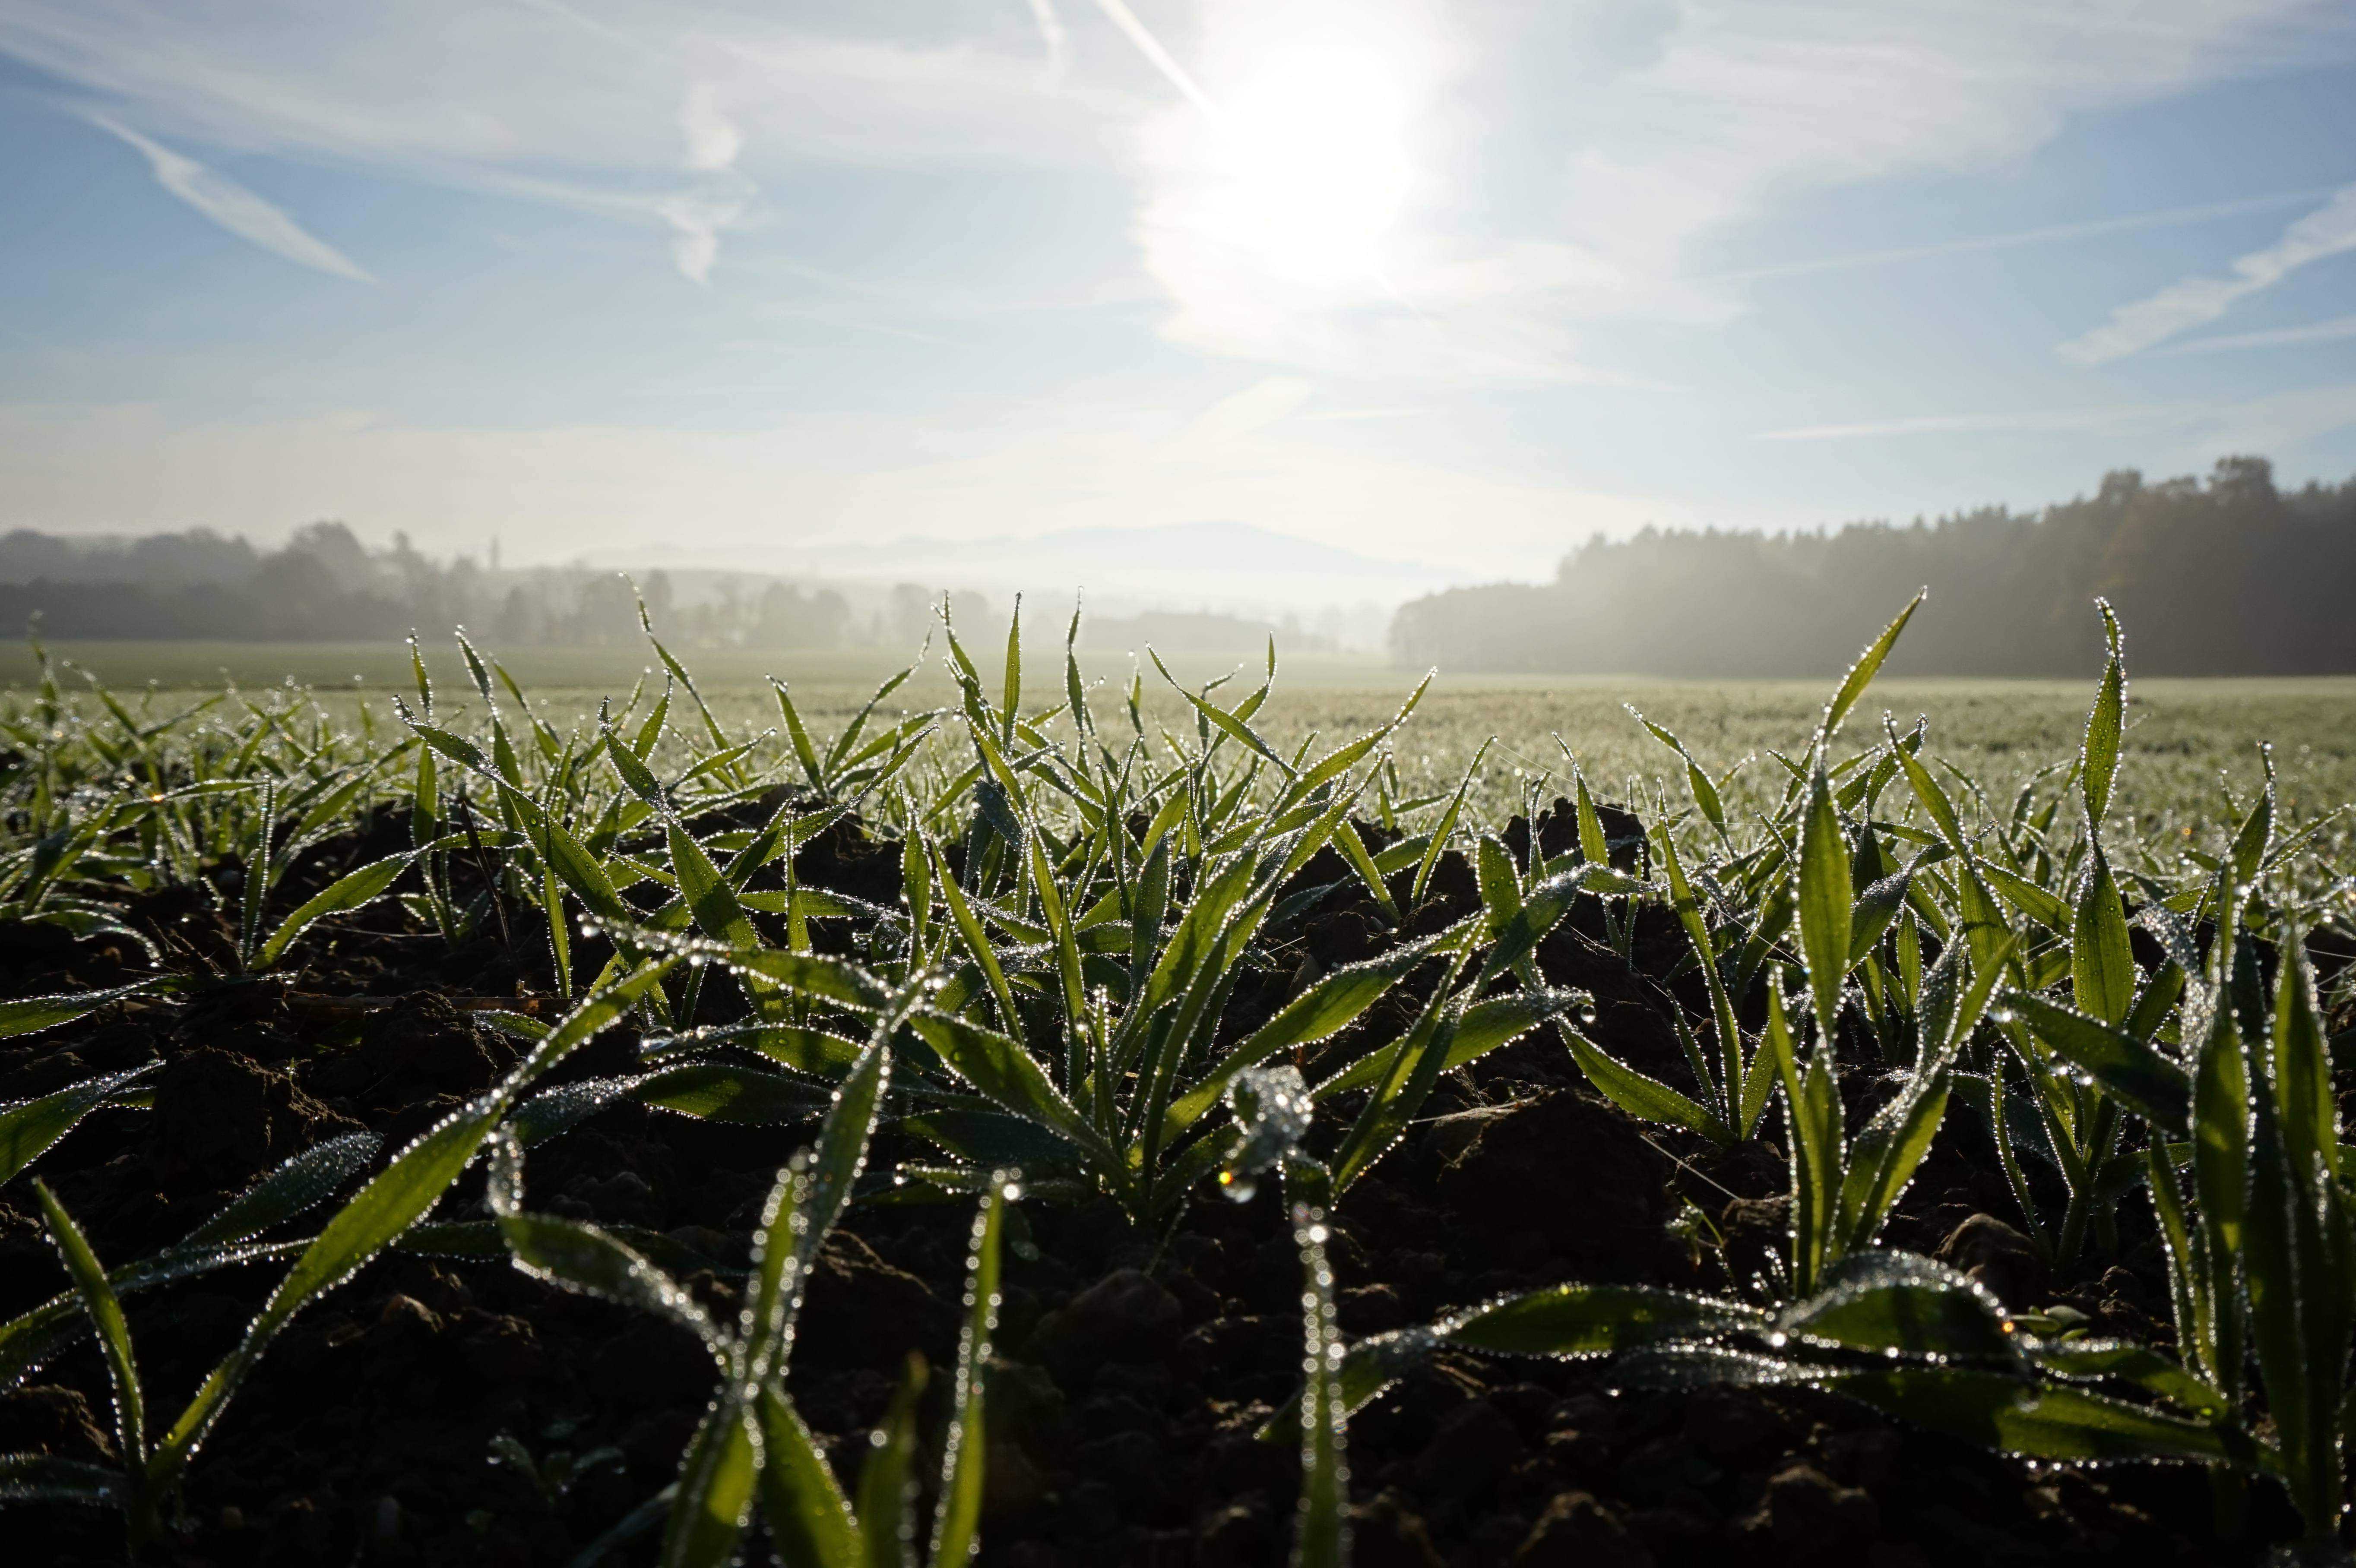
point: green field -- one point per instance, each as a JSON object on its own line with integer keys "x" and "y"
{"x": 2186, "y": 738}
{"x": 1116, "y": 955}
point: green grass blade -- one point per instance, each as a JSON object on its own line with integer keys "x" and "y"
{"x": 802, "y": 1505}
{"x": 1012, "y": 699}
{"x": 1826, "y": 913}
{"x": 1592, "y": 845}
{"x": 1928, "y": 791}
{"x": 303, "y": 1180}
{"x": 1722, "y": 1080}
{"x": 716, "y": 1480}
{"x": 1354, "y": 850}
{"x": 1320, "y": 1531}
{"x": 1572, "y": 1320}
{"x": 583, "y": 1259}
{"x": 957, "y": 1518}
{"x": 2026, "y": 896}
{"x": 29, "y": 1127}
{"x": 42, "y": 1478}
{"x": 806, "y": 1201}
{"x": 1860, "y": 674}
{"x": 969, "y": 932}
{"x": 836, "y": 980}
{"x": 30, "y": 1015}
{"x": 2138, "y": 1366}
{"x": 1003, "y": 1072}
{"x": 1228, "y": 724}
{"x": 397, "y": 1199}
{"x": 887, "y": 1488}
{"x": 1324, "y": 1009}
{"x": 2132, "y": 1070}
{"x": 1500, "y": 889}
{"x": 345, "y": 894}
{"x": 1887, "y": 1153}
{"x": 708, "y": 895}
{"x": 2046, "y": 1421}
{"x": 2303, "y": 1064}
{"x": 105, "y": 1313}
{"x": 1446, "y": 825}
{"x": 2099, "y": 761}
{"x": 2102, "y": 965}
{"x": 804, "y": 752}
{"x": 1647, "y": 1099}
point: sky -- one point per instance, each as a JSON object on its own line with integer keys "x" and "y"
{"x": 1456, "y": 286}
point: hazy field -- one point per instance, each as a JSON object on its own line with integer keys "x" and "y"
{"x": 2183, "y": 735}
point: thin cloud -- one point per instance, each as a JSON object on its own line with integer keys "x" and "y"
{"x": 2030, "y": 420}
{"x": 2332, "y": 331}
{"x": 714, "y": 139}
{"x": 2052, "y": 233}
{"x": 2280, "y": 422}
{"x": 1058, "y": 42}
{"x": 1270, "y": 401}
{"x": 2329, "y": 230}
{"x": 236, "y": 209}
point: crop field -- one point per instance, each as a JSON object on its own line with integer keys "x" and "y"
{"x": 2196, "y": 741}
{"x": 605, "y": 1108}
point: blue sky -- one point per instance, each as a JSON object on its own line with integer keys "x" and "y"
{"x": 1457, "y": 283}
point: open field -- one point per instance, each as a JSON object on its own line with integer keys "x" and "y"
{"x": 2187, "y": 736}
{"x": 1261, "y": 1150}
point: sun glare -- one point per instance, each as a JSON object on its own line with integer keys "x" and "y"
{"x": 1308, "y": 160}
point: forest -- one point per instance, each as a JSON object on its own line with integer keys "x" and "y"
{"x": 2227, "y": 575}
{"x": 325, "y": 585}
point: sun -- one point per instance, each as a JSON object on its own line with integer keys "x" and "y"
{"x": 1307, "y": 162}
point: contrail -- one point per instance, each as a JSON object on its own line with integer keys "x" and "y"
{"x": 234, "y": 207}
{"x": 1151, "y": 47}
{"x": 2329, "y": 230}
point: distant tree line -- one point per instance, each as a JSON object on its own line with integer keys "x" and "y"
{"x": 323, "y": 585}
{"x": 2223, "y": 576}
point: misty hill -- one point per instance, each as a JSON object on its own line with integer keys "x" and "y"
{"x": 2223, "y": 576}
{"x": 1237, "y": 569}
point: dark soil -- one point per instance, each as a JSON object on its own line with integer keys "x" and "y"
{"x": 1131, "y": 1371}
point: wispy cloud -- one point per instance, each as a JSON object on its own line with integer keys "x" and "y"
{"x": 234, "y": 207}
{"x": 714, "y": 139}
{"x": 2283, "y": 422}
{"x": 1058, "y": 42}
{"x": 2018, "y": 421}
{"x": 1741, "y": 105}
{"x": 2330, "y": 331}
{"x": 1267, "y": 403}
{"x": 2198, "y": 429}
{"x": 540, "y": 101}
{"x": 2329, "y": 230}
{"x": 2049, "y": 234}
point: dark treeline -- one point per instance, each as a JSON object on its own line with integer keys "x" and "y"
{"x": 323, "y": 585}
{"x": 2226, "y": 576}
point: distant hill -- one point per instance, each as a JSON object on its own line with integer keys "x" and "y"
{"x": 1213, "y": 567}
{"x": 2223, "y": 576}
